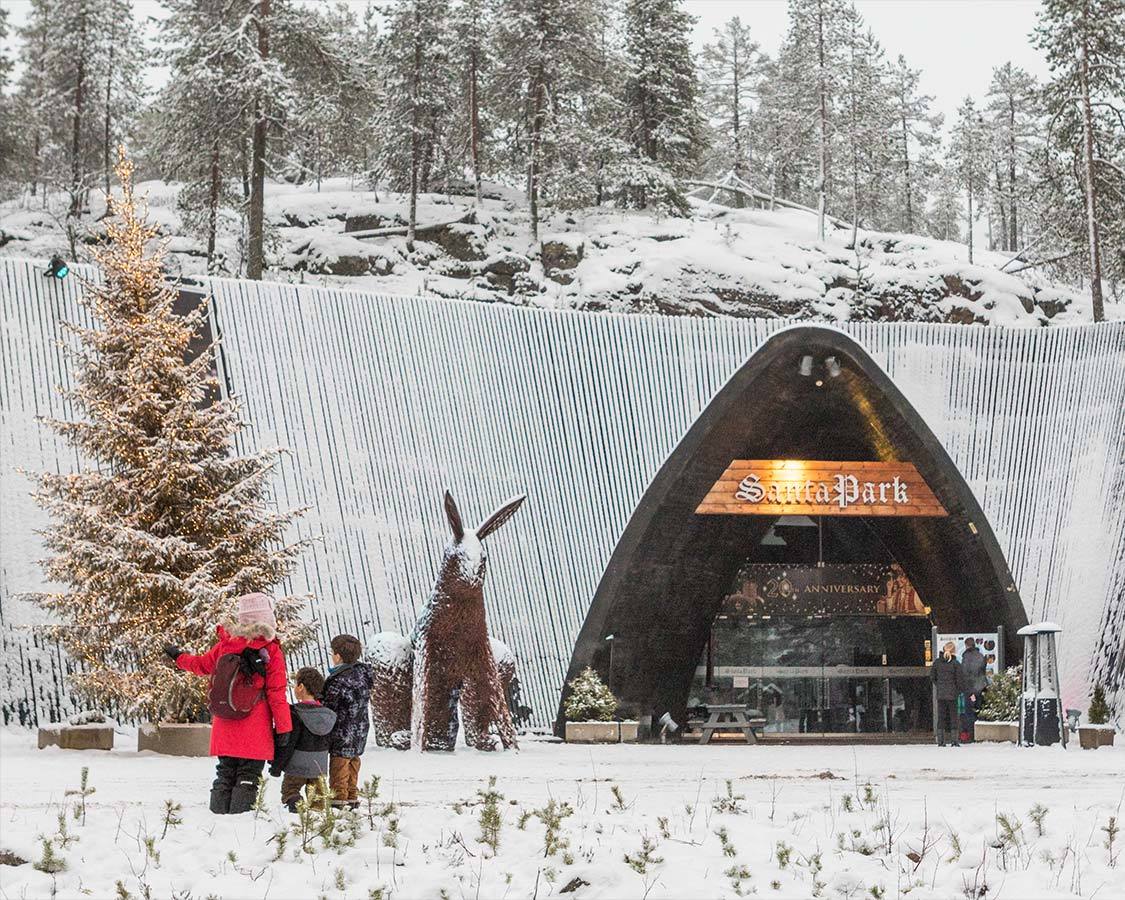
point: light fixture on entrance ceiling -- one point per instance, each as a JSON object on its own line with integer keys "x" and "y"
{"x": 806, "y": 366}
{"x": 833, "y": 366}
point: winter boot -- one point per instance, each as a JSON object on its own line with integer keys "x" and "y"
{"x": 225, "y": 774}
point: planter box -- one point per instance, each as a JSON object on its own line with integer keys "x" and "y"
{"x": 1090, "y": 737}
{"x": 175, "y": 739}
{"x": 77, "y": 737}
{"x": 629, "y": 732}
{"x": 593, "y": 732}
{"x": 996, "y": 731}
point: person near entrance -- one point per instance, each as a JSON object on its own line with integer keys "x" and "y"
{"x": 974, "y": 668}
{"x": 949, "y": 681}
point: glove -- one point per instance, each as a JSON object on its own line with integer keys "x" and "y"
{"x": 173, "y": 651}
{"x": 275, "y": 772}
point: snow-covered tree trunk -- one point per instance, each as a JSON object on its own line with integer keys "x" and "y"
{"x": 1093, "y": 246}
{"x": 255, "y": 227}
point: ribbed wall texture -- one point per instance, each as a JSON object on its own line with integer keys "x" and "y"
{"x": 384, "y": 401}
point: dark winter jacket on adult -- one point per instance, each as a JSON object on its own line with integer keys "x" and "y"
{"x": 347, "y": 692}
{"x": 251, "y": 737}
{"x": 974, "y": 670}
{"x": 306, "y": 753}
{"x": 947, "y": 677}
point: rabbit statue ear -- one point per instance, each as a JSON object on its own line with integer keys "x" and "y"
{"x": 498, "y": 518}
{"x": 454, "y": 516}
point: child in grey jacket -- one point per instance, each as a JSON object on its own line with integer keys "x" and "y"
{"x": 304, "y": 759}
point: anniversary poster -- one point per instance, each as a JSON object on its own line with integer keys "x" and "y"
{"x": 857, "y": 589}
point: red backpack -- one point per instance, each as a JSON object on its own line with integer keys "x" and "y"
{"x": 237, "y": 683}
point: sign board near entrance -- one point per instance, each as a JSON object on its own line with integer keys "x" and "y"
{"x": 779, "y": 487}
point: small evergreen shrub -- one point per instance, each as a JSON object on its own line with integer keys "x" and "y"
{"x": 1002, "y": 699}
{"x": 1098, "y": 713}
{"x": 590, "y": 700}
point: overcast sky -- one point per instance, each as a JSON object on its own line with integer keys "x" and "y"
{"x": 956, "y": 43}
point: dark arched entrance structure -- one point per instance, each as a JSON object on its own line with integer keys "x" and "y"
{"x": 670, "y": 569}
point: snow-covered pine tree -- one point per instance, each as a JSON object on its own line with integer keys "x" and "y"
{"x": 946, "y": 212}
{"x": 80, "y": 90}
{"x": 329, "y": 63}
{"x": 662, "y": 107}
{"x": 471, "y": 54}
{"x": 1085, "y": 43}
{"x": 544, "y": 64}
{"x": 589, "y": 699}
{"x": 730, "y": 67}
{"x": 417, "y": 89}
{"x": 1014, "y": 125}
{"x": 864, "y": 122}
{"x": 782, "y": 133}
{"x": 916, "y": 130}
{"x": 814, "y": 60}
{"x": 167, "y": 523}
{"x": 7, "y": 105}
{"x": 201, "y": 115}
{"x": 969, "y": 154}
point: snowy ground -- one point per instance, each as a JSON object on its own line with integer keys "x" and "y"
{"x": 798, "y": 821}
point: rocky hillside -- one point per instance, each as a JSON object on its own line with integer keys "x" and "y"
{"x": 721, "y": 261}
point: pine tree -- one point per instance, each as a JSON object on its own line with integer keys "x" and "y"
{"x": 544, "y": 67}
{"x": 166, "y": 524}
{"x": 946, "y": 211}
{"x": 7, "y": 104}
{"x": 1098, "y": 714}
{"x": 80, "y": 91}
{"x": 1013, "y": 124}
{"x": 865, "y": 120}
{"x": 1085, "y": 42}
{"x": 417, "y": 90}
{"x": 664, "y": 121}
{"x": 204, "y": 97}
{"x": 730, "y": 68}
{"x": 969, "y": 153}
{"x": 472, "y": 60}
{"x": 814, "y": 60}
{"x": 916, "y": 131}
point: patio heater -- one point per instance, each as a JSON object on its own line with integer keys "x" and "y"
{"x": 1041, "y": 713}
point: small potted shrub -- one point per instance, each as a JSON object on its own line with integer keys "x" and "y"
{"x": 1096, "y": 732}
{"x": 999, "y": 718}
{"x": 589, "y": 711}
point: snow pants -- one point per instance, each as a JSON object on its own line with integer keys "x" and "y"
{"x": 235, "y": 785}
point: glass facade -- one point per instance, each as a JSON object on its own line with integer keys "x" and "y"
{"x": 820, "y": 675}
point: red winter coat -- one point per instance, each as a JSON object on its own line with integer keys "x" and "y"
{"x": 252, "y": 737}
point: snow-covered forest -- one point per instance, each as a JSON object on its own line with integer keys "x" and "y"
{"x": 550, "y": 108}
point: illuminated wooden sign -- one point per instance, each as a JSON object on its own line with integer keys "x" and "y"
{"x": 779, "y": 487}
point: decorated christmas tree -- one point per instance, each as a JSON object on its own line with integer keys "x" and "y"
{"x": 166, "y": 523}
{"x": 589, "y": 700}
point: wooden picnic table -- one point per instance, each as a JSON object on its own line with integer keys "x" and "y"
{"x": 730, "y": 717}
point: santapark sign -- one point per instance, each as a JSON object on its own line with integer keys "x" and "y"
{"x": 820, "y": 487}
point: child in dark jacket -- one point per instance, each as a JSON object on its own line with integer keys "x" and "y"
{"x": 304, "y": 757}
{"x": 347, "y": 692}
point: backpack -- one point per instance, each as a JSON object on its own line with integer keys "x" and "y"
{"x": 237, "y": 683}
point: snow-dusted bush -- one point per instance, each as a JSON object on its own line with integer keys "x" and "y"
{"x": 1098, "y": 713}
{"x": 1002, "y": 699}
{"x": 590, "y": 700}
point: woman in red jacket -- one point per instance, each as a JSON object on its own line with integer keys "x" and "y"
{"x": 244, "y": 745}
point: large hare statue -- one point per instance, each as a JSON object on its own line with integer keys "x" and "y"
{"x": 449, "y": 657}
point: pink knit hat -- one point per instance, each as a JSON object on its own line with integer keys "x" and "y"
{"x": 256, "y": 609}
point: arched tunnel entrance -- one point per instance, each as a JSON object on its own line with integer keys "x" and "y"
{"x": 774, "y": 595}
